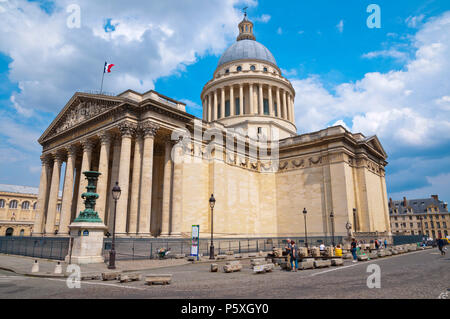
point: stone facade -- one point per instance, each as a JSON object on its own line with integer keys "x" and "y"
{"x": 429, "y": 216}
{"x": 246, "y": 152}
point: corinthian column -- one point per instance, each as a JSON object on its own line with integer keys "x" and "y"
{"x": 232, "y": 107}
{"x": 114, "y": 179}
{"x": 127, "y": 130}
{"x": 222, "y": 103}
{"x": 135, "y": 184}
{"x": 278, "y": 103}
{"x": 210, "y": 108}
{"x": 285, "y": 115}
{"x": 167, "y": 187}
{"x": 149, "y": 130}
{"x": 250, "y": 97}
{"x": 88, "y": 146}
{"x": 215, "y": 111}
{"x": 42, "y": 197}
{"x": 241, "y": 99}
{"x": 260, "y": 99}
{"x": 66, "y": 209}
{"x": 103, "y": 168}
{"x": 177, "y": 197}
{"x": 269, "y": 92}
{"x": 53, "y": 198}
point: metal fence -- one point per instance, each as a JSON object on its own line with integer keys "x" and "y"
{"x": 147, "y": 248}
{"x": 40, "y": 247}
{"x": 407, "y": 239}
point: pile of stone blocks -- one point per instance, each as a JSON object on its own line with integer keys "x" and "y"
{"x": 180, "y": 256}
{"x": 158, "y": 279}
{"x": 218, "y": 257}
{"x": 232, "y": 266}
{"x": 257, "y": 262}
{"x": 388, "y": 253}
{"x": 214, "y": 267}
{"x": 315, "y": 252}
{"x": 303, "y": 252}
{"x": 373, "y": 255}
{"x": 347, "y": 256}
{"x": 237, "y": 256}
{"x": 329, "y": 251}
{"x": 285, "y": 265}
{"x": 381, "y": 253}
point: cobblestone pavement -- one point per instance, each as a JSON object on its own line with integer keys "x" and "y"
{"x": 421, "y": 274}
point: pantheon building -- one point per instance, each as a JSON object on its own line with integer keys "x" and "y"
{"x": 245, "y": 150}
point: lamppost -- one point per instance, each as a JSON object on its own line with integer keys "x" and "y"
{"x": 354, "y": 219}
{"x": 332, "y": 227}
{"x": 306, "y": 230}
{"x": 112, "y": 254}
{"x": 421, "y": 225}
{"x": 212, "y": 202}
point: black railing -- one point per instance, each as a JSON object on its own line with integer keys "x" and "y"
{"x": 407, "y": 239}
{"x": 40, "y": 247}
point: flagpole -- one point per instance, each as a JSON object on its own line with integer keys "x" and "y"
{"x": 103, "y": 76}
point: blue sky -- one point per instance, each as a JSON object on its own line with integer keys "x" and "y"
{"x": 391, "y": 81}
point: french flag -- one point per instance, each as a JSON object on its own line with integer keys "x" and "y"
{"x": 108, "y": 67}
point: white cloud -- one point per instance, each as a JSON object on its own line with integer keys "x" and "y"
{"x": 51, "y": 61}
{"x": 263, "y": 18}
{"x": 340, "y": 26}
{"x": 391, "y": 53}
{"x": 414, "y": 21}
{"x": 398, "y": 106}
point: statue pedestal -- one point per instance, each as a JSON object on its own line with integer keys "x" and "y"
{"x": 87, "y": 240}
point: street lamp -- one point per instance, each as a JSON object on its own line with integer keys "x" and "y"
{"x": 421, "y": 224}
{"x": 332, "y": 226}
{"x": 112, "y": 254}
{"x": 306, "y": 230}
{"x": 354, "y": 219}
{"x": 212, "y": 202}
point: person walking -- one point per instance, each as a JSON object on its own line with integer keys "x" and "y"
{"x": 385, "y": 243}
{"x": 440, "y": 244}
{"x": 353, "y": 250}
{"x": 288, "y": 248}
{"x": 294, "y": 254}
{"x": 377, "y": 245}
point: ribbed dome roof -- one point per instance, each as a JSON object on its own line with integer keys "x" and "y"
{"x": 247, "y": 49}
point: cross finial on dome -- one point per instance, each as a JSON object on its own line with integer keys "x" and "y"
{"x": 245, "y": 28}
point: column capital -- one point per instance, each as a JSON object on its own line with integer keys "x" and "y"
{"x": 105, "y": 137}
{"x": 46, "y": 160}
{"x": 127, "y": 128}
{"x": 148, "y": 128}
{"x": 59, "y": 156}
{"x": 87, "y": 145}
{"x": 72, "y": 150}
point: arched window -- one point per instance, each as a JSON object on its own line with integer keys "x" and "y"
{"x": 2, "y": 203}
{"x": 22, "y": 232}
{"x": 253, "y": 68}
{"x": 239, "y": 68}
{"x": 9, "y": 232}
{"x": 265, "y": 69}
{"x": 13, "y": 204}
{"x": 26, "y": 205}
{"x": 35, "y": 205}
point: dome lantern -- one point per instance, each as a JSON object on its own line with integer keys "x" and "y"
{"x": 245, "y": 29}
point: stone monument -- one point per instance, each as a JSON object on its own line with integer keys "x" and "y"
{"x": 87, "y": 230}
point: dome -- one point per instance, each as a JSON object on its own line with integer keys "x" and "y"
{"x": 247, "y": 49}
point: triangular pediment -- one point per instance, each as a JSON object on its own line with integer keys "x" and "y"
{"x": 81, "y": 108}
{"x": 375, "y": 143}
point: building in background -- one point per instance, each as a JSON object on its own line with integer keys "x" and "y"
{"x": 167, "y": 179}
{"x": 18, "y": 206}
{"x": 428, "y": 216}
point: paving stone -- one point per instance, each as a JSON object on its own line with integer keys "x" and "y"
{"x": 232, "y": 267}
{"x": 322, "y": 263}
{"x": 130, "y": 277}
{"x": 214, "y": 267}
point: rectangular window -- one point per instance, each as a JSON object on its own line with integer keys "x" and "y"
{"x": 438, "y": 225}
{"x": 275, "y": 108}
{"x": 218, "y": 110}
{"x": 266, "y": 106}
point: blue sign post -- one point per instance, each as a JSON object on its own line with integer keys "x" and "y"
{"x": 195, "y": 240}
